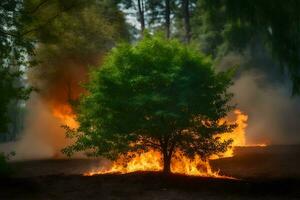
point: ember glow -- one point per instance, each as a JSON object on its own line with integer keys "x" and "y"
{"x": 238, "y": 135}
{"x": 65, "y": 114}
{"x": 152, "y": 160}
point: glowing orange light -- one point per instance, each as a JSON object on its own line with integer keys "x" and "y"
{"x": 66, "y": 115}
{"x": 152, "y": 160}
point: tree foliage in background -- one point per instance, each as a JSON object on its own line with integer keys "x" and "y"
{"x": 223, "y": 26}
{"x": 157, "y": 15}
{"x": 145, "y": 12}
{"x": 73, "y": 41}
{"x": 86, "y": 28}
{"x": 19, "y": 24}
{"x": 9, "y": 91}
{"x": 275, "y": 22}
{"x": 157, "y": 94}
{"x": 47, "y": 31}
{"x": 15, "y": 46}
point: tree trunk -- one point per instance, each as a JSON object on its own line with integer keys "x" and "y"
{"x": 141, "y": 15}
{"x": 167, "y": 17}
{"x": 167, "y": 163}
{"x": 186, "y": 20}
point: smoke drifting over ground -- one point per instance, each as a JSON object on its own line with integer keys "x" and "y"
{"x": 58, "y": 84}
{"x": 263, "y": 92}
{"x": 273, "y": 115}
{"x": 42, "y": 136}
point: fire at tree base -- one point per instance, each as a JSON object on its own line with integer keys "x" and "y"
{"x": 180, "y": 164}
{"x": 152, "y": 161}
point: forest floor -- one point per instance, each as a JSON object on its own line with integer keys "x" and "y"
{"x": 262, "y": 173}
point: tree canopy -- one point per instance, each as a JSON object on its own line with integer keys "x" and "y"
{"x": 157, "y": 94}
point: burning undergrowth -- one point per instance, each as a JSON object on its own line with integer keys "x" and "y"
{"x": 151, "y": 160}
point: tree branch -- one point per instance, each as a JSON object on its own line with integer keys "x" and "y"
{"x": 38, "y": 7}
{"x": 42, "y": 25}
{"x": 38, "y": 27}
{"x": 49, "y": 20}
{"x": 7, "y": 33}
{"x": 151, "y": 143}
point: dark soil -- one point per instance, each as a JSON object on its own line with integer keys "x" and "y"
{"x": 145, "y": 186}
{"x": 263, "y": 173}
{"x": 272, "y": 162}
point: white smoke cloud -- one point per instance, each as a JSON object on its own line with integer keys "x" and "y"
{"x": 273, "y": 114}
{"x": 42, "y": 137}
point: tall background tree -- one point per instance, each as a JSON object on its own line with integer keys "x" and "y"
{"x": 224, "y": 26}
{"x": 15, "y": 46}
{"x": 186, "y": 17}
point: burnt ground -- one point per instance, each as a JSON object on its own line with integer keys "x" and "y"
{"x": 263, "y": 173}
{"x": 272, "y": 162}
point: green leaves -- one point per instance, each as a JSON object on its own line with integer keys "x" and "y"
{"x": 15, "y": 50}
{"x": 155, "y": 92}
{"x": 10, "y": 89}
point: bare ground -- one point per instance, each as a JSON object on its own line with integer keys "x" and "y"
{"x": 263, "y": 173}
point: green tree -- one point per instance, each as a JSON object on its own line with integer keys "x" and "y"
{"x": 157, "y": 94}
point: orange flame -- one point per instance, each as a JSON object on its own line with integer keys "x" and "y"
{"x": 66, "y": 115}
{"x": 152, "y": 160}
{"x": 238, "y": 135}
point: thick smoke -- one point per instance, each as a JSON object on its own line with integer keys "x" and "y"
{"x": 264, "y": 93}
{"x": 60, "y": 87}
{"x": 67, "y": 47}
{"x": 42, "y": 136}
{"x": 273, "y": 115}
{"x": 57, "y": 84}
